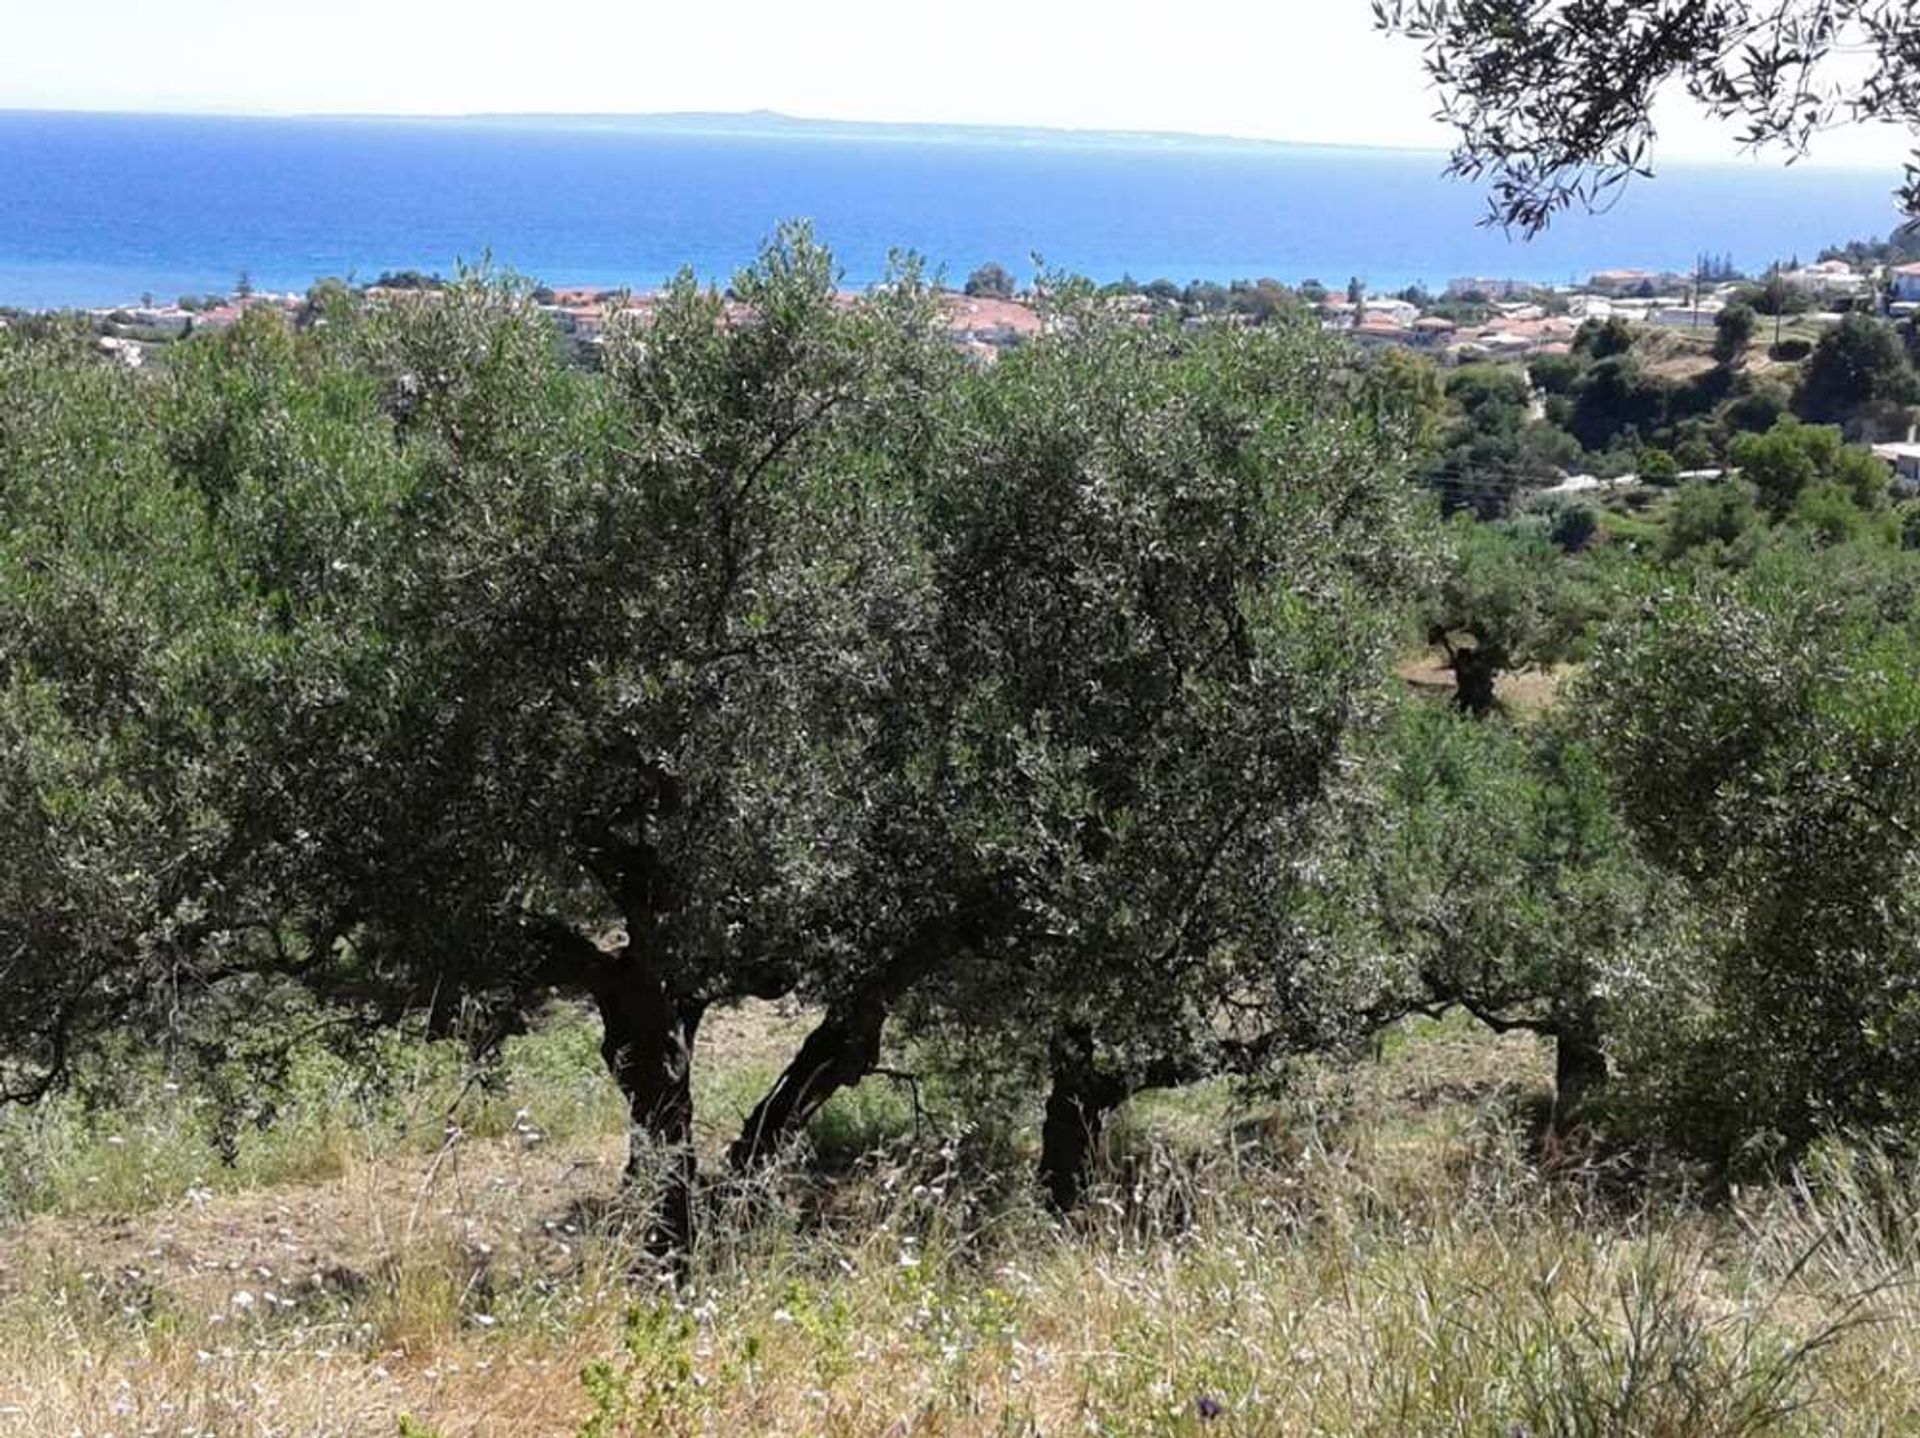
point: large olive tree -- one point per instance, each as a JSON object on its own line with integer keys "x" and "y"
{"x": 1763, "y": 734}
{"x": 1167, "y": 570}
{"x": 402, "y": 664}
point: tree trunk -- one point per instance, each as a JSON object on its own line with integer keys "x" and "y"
{"x": 842, "y": 1049}
{"x": 1474, "y": 673}
{"x": 845, "y": 1046}
{"x": 647, "y": 1043}
{"x": 443, "y": 1010}
{"x": 1078, "y": 1103}
{"x": 1579, "y": 1070}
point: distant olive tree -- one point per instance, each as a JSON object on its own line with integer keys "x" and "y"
{"x": 1858, "y": 374}
{"x": 1504, "y": 601}
{"x": 1506, "y": 887}
{"x": 1733, "y": 330}
{"x": 991, "y": 281}
{"x": 1792, "y": 458}
{"x": 1714, "y": 521}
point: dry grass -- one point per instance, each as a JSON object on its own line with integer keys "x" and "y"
{"x": 1380, "y": 1256}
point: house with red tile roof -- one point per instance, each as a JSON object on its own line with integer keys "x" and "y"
{"x": 1540, "y": 330}
{"x": 1374, "y": 330}
{"x": 1000, "y": 323}
{"x": 579, "y": 297}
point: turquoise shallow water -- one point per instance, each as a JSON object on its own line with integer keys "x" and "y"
{"x": 97, "y": 209}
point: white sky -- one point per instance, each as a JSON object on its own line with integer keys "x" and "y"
{"x": 1311, "y": 70}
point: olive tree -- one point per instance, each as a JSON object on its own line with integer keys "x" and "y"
{"x": 1763, "y": 736}
{"x": 1505, "y": 885}
{"x": 1859, "y": 375}
{"x": 1163, "y": 568}
{"x": 1506, "y": 599}
{"x": 108, "y": 847}
{"x": 666, "y": 627}
{"x": 455, "y": 676}
{"x": 1792, "y": 458}
{"x": 1167, "y": 570}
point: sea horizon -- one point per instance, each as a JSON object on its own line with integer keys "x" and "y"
{"x": 771, "y": 123}
{"x": 100, "y": 207}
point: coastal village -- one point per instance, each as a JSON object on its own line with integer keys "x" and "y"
{"x": 1473, "y": 321}
{"x": 985, "y": 326}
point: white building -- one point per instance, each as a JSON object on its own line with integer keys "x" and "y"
{"x": 128, "y": 352}
{"x": 1397, "y": 310}
{"x": 1905, "y": 459}
{"x": 1591, "y": 484}
{"x": 1830, "y": 279}
{"x": 1688, "y": 317}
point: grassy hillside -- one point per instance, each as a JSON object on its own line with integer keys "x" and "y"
{"x": 1385, "y": 1252}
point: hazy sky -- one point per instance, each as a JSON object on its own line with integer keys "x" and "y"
{"x": 1283, "y": 69}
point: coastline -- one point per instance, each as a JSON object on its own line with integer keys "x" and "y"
{"x": 97, "y": 208}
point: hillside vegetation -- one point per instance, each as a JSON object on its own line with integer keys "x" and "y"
{"x": 1386, "y": 1252}
{"x": 831, "y": 886}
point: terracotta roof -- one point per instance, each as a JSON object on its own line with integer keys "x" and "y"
{"x": 1547, "y": 327}
{"x": 969, "y": 314}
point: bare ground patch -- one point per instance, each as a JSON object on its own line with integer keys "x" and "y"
{"x": 1524, "y": 693}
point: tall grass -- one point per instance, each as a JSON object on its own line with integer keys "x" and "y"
{"x": 1380, "y": 1257}
{"x": 166, "y": 1136}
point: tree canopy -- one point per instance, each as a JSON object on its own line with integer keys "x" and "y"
{"x": 396, "y": 666}
{"x": 1554, "y": 103}
{"x": 389, "y": 667}
{"x": 1859, "y": 374}
{"x": 991, "y": 281}
{"x": 1762, "y": 733}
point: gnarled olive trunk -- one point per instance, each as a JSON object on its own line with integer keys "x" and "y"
{"x": 1475, "y": 670}
{"x": 1079, "y": 1099}
{"x": 647, "y": 1043}
{"x": 845, "y": 1046}
{"x": 1579, "y": 1070}
{"x": 842, "y": 1049}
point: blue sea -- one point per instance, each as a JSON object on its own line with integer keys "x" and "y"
{"x": 99, "y": 209}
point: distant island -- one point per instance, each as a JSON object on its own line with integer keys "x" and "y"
{"x": 612, "y": 199}
{"x": 773, "y": 125}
